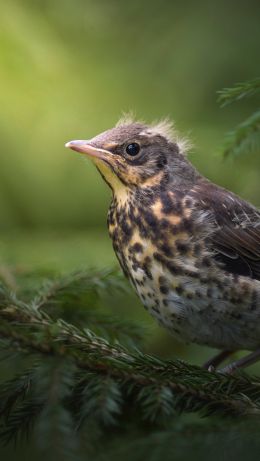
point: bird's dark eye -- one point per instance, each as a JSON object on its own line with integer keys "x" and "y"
{"x": 132, "y": 149}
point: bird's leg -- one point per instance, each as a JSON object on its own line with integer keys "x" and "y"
{"x": 212, "y": 363}
{"x": 243, "y": 362}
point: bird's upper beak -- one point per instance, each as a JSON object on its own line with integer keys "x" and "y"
{"x": 104, "y": 159}
{"x": 86, "y": 147}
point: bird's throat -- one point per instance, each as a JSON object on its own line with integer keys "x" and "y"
{"x": 119, "y": 189}
{"x": 109, "y": 176}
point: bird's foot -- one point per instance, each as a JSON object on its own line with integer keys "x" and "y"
{"x": 249, "y": 359}
{"x": 212, "y": 364}
{"x": 211, "y": 369}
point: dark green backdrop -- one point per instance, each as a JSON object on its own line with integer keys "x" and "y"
{"x": 68, "y": 69}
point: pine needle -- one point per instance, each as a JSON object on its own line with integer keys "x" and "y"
{"x": 238, "y": 92}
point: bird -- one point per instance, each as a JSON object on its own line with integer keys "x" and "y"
{"x": 190, "y": 248}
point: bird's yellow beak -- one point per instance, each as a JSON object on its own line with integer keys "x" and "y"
{"x": 85, "y": 147}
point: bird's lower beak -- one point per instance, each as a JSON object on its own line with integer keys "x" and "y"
{"x": 104, "y": 160}
{"x": 85, "y": 147}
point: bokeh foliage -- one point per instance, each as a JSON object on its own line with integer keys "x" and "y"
{"x": 78, "y": 395}
{"x": 70, "y": 67}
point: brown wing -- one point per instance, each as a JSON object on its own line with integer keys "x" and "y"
{"x": 236, "y": 239}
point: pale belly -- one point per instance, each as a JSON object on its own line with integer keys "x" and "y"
{"x": 199, "y": 312}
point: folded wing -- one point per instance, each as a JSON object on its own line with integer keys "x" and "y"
{"x": 235, "y": 236}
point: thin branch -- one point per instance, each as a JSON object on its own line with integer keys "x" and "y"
{"x": 34, "y": 331}
{"x": 245, "y": 138}
{"x": 238, "y": 91}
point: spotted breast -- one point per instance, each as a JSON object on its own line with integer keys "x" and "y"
{"x": 190, "y": 248}
{"x": 161, "y": 245}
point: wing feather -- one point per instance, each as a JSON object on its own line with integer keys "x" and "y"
{"x": 235, "y": 236}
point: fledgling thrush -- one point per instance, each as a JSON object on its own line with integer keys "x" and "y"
{"x": 191, "y": 249}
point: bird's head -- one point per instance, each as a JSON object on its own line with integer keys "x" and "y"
{"x": 133, "y": 154}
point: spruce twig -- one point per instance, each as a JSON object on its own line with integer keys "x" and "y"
{"x": 245, "y": 138}
{"x": 238, "y": 91}
{"x": 158, "y": 386}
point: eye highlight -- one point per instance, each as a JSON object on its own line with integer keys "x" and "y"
{"x": 132, "y": 149}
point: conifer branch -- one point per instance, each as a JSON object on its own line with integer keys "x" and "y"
{"x": 75, "y": 377}
{"x": 238, "y": 91}
{"x": 245, "y": 138}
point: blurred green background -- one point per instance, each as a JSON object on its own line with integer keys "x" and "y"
{"x": 68, "y": 69}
